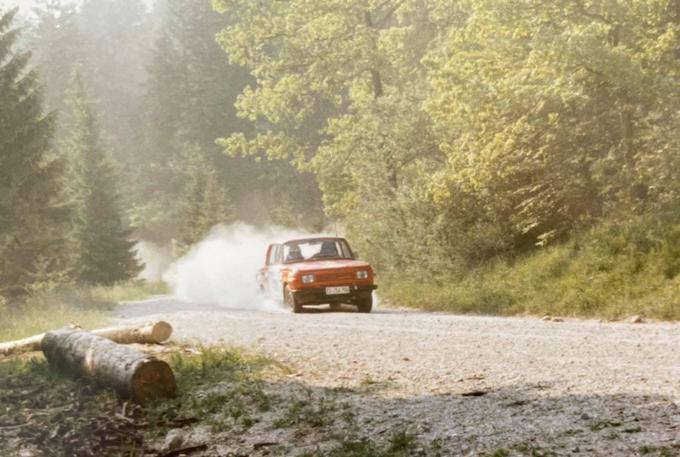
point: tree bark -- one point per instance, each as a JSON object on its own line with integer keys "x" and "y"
{"x": 375, "y": 74}
{"x": 133, "y": 375}
{"x": 151, "y": 333}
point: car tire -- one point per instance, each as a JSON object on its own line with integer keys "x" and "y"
{"x": 290, "y": 300}
{"x": 365, "y": 304}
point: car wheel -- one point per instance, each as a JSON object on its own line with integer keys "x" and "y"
{"x": 291, "y": 300}
{"x": 365, "y": 304}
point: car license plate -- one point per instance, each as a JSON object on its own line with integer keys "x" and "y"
{"x": 337, "y": 290}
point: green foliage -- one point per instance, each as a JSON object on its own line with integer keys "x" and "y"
{"x": 612, "y": 271}
{"x": 190, "y": 96}
{"x": 205, "y": 203}
{"x": 58, "y": 47}
{"x": 104, "y": 252}
{"x": 183, "y": 73}
{"x": 32, "y": 214}
{"x": 552, "y": 121}
{"x": 115, "y": 52}
{"x": 453, "y": 138}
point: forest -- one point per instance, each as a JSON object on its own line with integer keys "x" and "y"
{"x": 486, "y": 156}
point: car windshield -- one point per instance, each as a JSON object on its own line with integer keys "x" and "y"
{"x": 323, "y": 249}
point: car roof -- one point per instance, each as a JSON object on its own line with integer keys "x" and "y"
{"x": 316, "y": 238}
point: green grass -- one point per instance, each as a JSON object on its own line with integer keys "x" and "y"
{"x": 212, "y": 364}
{"x": 85, "y": 306}
{"x": 611, "y": 272}
{"x": 219, "y": 386}
{"x": 308, "y": 412}
{"x": 47, "y": 312}
{"x": 60, "y": 416}
{"x": 400, "y": 444}
{"x": 226, "y": 389}
{"x": 128, "y": 291}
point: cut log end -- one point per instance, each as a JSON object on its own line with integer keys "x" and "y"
{"x": 151, "y": 333}
{"x": 152, "y": 379}
{"x": 161, "y": 331}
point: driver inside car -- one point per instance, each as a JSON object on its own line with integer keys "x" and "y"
{"x": 294, "y": 253}
{"x": 328, "y": 249}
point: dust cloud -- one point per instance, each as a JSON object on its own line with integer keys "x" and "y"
{"x": 155, "y": 258}
{"x": 221, "y": 269}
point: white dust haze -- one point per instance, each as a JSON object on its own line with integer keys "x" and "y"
{"x": 221, "y": 269}
{"x": 155, "y": 258}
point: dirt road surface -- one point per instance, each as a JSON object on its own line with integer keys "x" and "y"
{"x": 473, "y": 385}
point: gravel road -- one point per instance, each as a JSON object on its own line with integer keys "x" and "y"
{"x": 474, "y": 384}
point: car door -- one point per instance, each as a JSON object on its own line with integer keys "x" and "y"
{"x": 272, "y": 274}
{"x": 261, "y": 276}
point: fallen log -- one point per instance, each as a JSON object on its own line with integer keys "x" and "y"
{"x": 151, "y": 333}
{"x": 133, "y": 375}
{"x": 32, "y": 343}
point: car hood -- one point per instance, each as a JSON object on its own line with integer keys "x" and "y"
{"x": 316, "y": 265}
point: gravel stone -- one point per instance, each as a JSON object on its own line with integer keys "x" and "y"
{"x": 602, "y": 388}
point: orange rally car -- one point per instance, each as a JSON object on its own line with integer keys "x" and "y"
{"x": 316, "y": 271}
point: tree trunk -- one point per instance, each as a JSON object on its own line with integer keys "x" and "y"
{"x": 133, "y": 375}
{"x": 375, "y": 74}
{"x": 151, "y": 333}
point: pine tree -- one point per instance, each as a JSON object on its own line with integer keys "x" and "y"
{"x": 205, "y": 202}
{"x": 58, "y": 47}
{"x": 104, "y": 249}
{"x": 32, "y": 220}
{"x": 191, "y": 95}
{"x": 115, "y": 33}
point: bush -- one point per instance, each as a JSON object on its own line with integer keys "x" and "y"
{"x": 612, "y": 271}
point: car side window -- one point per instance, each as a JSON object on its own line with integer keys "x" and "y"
{"x": 344, "y": 250}
{"x": 277, "y": 254}
{"x": 270, "y": 254}
{"x": 273, "y": 254}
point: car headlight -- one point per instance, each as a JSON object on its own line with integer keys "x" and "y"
{"x": 307, "y": 279}
{"x": 362, "y": 274}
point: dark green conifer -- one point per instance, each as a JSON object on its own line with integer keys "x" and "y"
{"x": 105, "y": 251}
{"x": 32, "y": 220}
{"x": 205, "y": 202}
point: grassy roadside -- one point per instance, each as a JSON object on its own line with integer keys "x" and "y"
{"x": 611, "y": 272}
{"x": 85, "y": 306}
{"x": 229, "y": 402}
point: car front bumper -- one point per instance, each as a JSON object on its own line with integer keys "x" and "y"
{"x": 318, "y": 296}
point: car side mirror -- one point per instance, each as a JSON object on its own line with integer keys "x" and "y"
{"x": 356, "y": 255}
